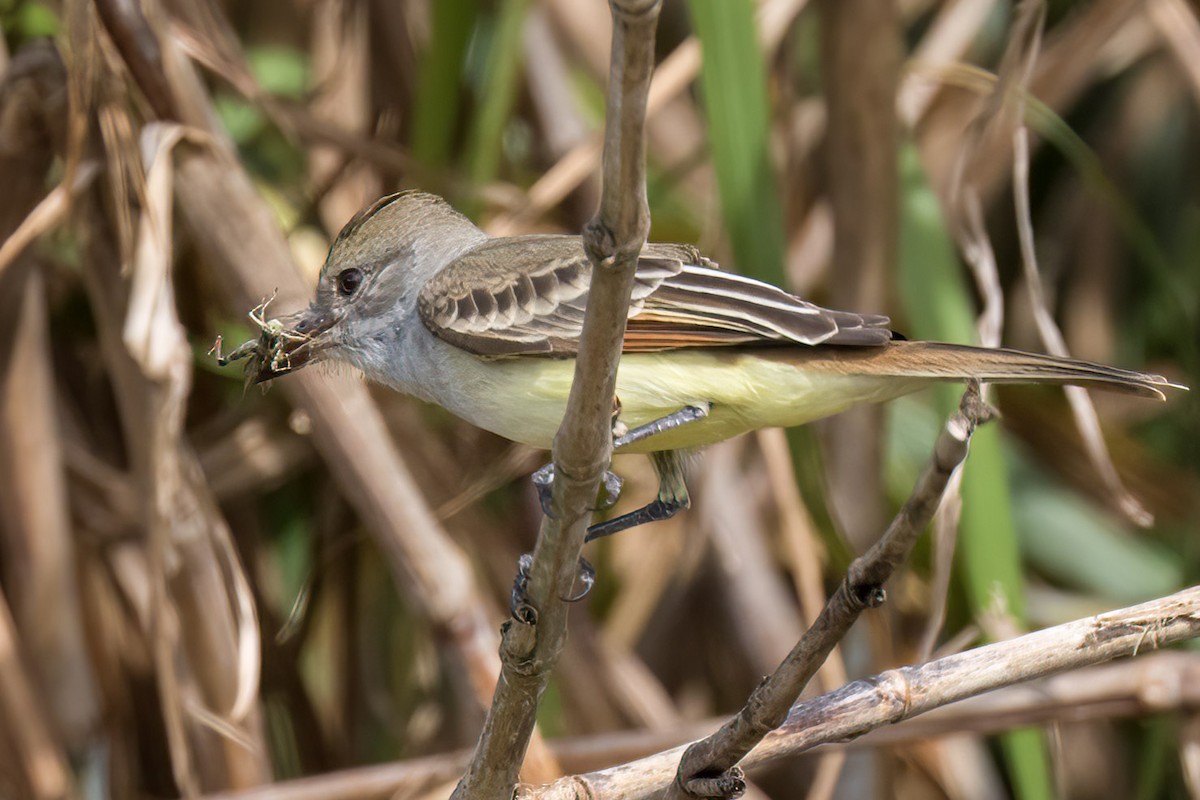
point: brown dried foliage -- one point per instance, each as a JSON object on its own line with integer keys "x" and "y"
{"x": 229, "y": 589}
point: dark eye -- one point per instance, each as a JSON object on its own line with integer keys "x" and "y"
{"x": 348, "y": 281}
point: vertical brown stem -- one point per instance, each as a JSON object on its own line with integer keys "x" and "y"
{"x": 861, "y": 60}
{"x": 582, "y": 449}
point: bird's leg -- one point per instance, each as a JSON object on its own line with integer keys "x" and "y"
{"x": 672, "y": 494}
{"x": 675, "y": 419}
{"x": 543, "y": 479}
{"x": 672, "y": 497}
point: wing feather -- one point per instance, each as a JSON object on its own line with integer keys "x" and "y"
{"x": 527, "y": 296}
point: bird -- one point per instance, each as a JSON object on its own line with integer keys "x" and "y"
{"x": 418, "y": 298}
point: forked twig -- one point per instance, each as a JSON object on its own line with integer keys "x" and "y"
{"x": 771, "y": 700}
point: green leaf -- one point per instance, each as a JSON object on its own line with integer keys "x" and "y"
{"x": 36, "y": 20}
{"x": 282, "y": 71}
{"x": 1157, "y": 760}
{"x": 242, "y": 120}
{"x": 1055, "y": 526}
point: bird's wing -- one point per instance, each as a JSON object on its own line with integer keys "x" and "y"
{"x": 526, "y": 296}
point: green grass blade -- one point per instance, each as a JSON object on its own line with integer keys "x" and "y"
{"x": 442, "y": 66}
{"x": 1156, "y": 759}
{"x": 733, "y": 82}
{"x": 733, "y": 86}
{"x": 1029, "y": 763}
{"x": 939, "y": 306}
{"x": 497, "y": 92}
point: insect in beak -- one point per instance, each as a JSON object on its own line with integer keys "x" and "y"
{"x": 283, "y": 345}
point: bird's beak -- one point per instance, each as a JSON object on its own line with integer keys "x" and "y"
{"x": 289, "y": 343}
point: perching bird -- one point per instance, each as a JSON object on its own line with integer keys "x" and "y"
{"x": 420, "y": 299}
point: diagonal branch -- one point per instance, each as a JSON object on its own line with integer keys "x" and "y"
{"x": 707, "y": 768}
{"x": 534, "y": 638}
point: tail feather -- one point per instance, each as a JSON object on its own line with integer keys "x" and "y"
{"x": 940, "y": 361}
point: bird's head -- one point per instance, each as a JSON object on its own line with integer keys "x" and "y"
{"x": 368, "y": 285}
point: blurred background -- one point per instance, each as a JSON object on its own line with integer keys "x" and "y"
{"x": 208, "y": 587}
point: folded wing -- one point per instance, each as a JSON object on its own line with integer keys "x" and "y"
{"x": 526, "y": 296}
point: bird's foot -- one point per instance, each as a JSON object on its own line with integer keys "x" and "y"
{"x": 610, "y": 490}
{"x": 543, "y": 482}
{"x": 585, "y": 579}
{"x": 519, "y": 605}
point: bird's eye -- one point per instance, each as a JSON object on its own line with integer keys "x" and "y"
{"x": 348, "y": 281}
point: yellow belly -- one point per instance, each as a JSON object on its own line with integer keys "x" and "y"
{"x": 524, "y": 399}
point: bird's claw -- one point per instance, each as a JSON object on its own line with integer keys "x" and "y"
{"x": 519, "y": 605}
{"x": 585, "y": 577}
{"x": 543, "y": 483}
{"x": 610, "y": 490}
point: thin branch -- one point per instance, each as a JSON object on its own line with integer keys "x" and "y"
{"x": 533, "y": 639}
{"x": 801, "y": 546}
{"x": 47, "y": 215}
{"x": 768, "y": 705}
{"x": 1082, "y": 408}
